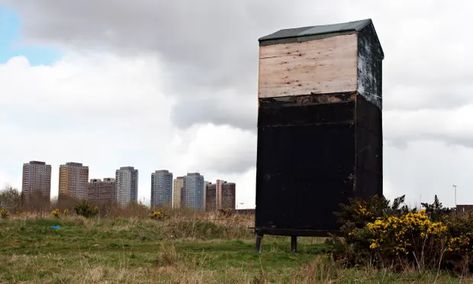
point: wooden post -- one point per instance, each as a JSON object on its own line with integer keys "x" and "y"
{"x": 259, "y": 238}
{"x": 293, "y": 244}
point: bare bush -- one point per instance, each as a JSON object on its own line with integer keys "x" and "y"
{"x": 10, "y": 199}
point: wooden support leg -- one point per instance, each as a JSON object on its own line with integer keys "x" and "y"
{"x": 293, "y": 244}
{"x": 259, "y": 238}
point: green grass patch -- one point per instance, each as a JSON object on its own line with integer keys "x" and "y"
{"x": 180, "y": 250}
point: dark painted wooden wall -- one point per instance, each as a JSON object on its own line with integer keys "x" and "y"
{"x": 317, "y": 150}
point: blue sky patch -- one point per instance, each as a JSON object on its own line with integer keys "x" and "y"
{"x": 10, "y": 42}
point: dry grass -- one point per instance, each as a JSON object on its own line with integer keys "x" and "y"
{"x": 184, "y": 248}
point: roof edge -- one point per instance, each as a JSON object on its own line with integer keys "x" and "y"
{"x": 317, "y": 30}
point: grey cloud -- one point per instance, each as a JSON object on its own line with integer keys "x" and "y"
{"x": 413, "y": 97}
{"x": 425, "y": 168}
{"x": 209, "y": 47}
{"x": 451, "y": 126}
{"x": 239, "y": 163}
{"x": 206, "y": 42}
{"x": 232, "y": 110}
{"x": 206, "y": 46}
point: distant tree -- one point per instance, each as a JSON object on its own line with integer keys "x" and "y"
{"x": 436, "y": 210}
{"x": 66, "y": 202}
{"x": 10, "y": 198}
{"x": 35, "y": 202}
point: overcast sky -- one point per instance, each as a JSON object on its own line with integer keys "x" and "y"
{"x": 173, "y": 85}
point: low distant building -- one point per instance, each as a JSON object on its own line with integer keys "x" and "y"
{"x": 177, "y": 192}
{"x": 161, "y": 189}
{"x": 36, "y": 182}
{"x": 102, "y": 191}
{"x": 210, "y": 196}
{"x": 465, "y": 208}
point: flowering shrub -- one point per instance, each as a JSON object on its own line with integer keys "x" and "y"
{"x": 56, "y": 213}
{"x": 405, "y": 231}
{"x": 411, "y": 236}
{"x": 377, "y": 233}
{"x": 157, "y": 214}
{"x": 459, "y": 249}
{"x": 3, "y": 213}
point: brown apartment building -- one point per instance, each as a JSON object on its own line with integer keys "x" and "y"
{"x": 102, "y": 191}
{"x": 210, "y": 196}
{"x": 227, "y": 200}
{"x": 36, "y": 182}
{"x": 73, "y": 181}
{"x": 220, "y": 195}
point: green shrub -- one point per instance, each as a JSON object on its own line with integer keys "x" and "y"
{"x": 199, "y": 229}
{"x": 459, "y": 254}
{"x": 86, "y": 209}
{"x": 10, "y": 199}
{"x": 225, "y": 212}
{"x": 436, "y": 211}
{"x": 167, "y": 256}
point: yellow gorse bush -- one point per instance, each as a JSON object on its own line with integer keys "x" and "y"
{"x": 384, "y": 234}
{"x": 400, "y": 232}
{"x": 363, "y": 211}
{"x": 459, "y": 244}
{"x": 56, "y": 213}
{"x": 157, "y": 215}
{"x": 3, "y": 213}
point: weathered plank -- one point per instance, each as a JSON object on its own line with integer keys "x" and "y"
{"x": 327, "y": 65}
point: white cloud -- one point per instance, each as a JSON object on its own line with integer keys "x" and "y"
{"x": 156, "y": 84}
{"x": 219, "y": 148}
{"x": 106, "y": 111}
{"x": 425, "y": 168}
{"x": 448, "y": 125}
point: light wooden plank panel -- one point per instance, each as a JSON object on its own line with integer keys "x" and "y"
{"x": 327, "y": 65}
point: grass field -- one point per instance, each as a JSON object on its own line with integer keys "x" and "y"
{"x": 181, "y": 249}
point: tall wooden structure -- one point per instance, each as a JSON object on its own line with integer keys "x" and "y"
{"x": 319, "y": 126}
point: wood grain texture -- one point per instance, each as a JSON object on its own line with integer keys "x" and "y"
{"x": 327, "y": 65}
